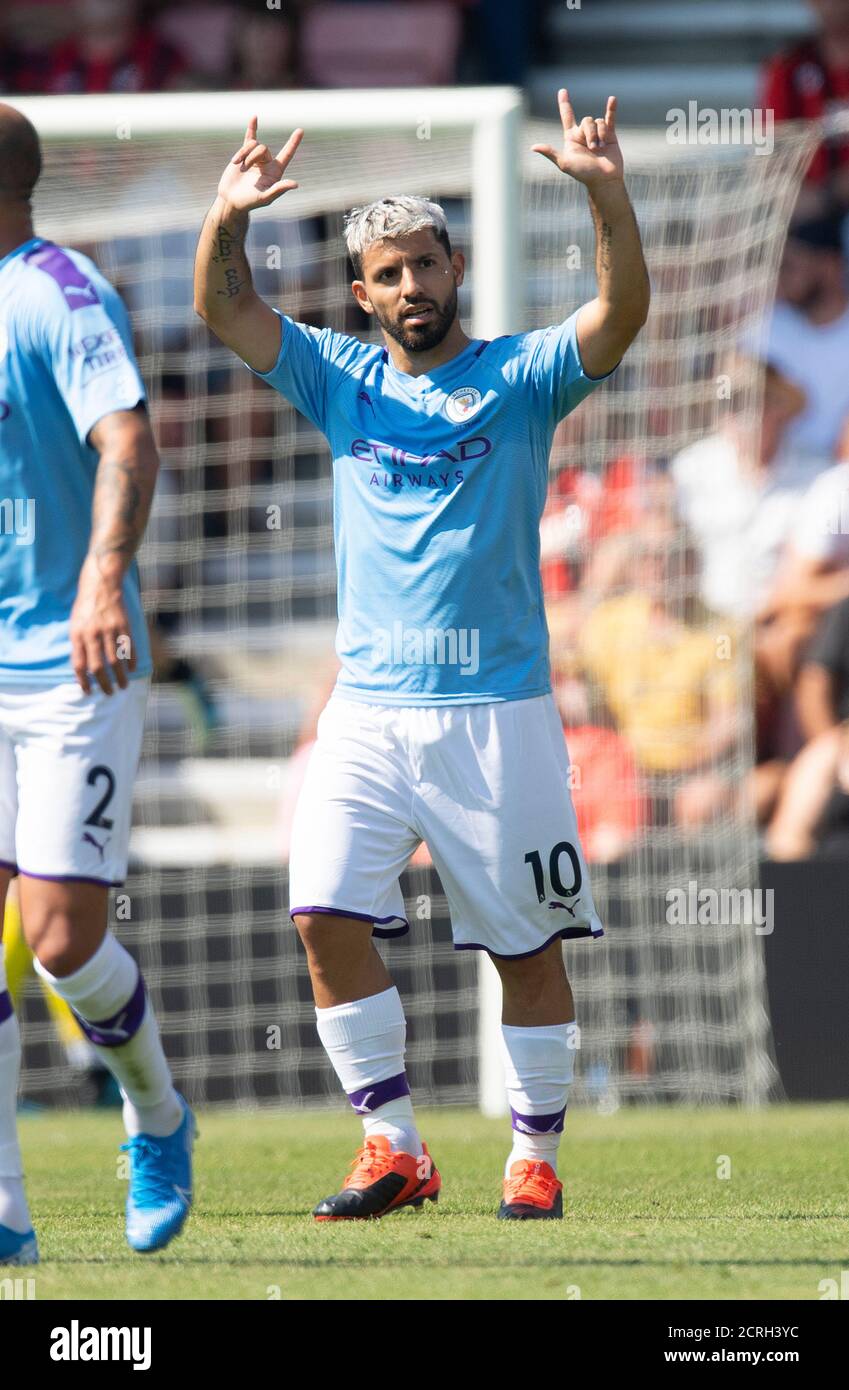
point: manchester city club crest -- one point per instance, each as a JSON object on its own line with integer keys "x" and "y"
{"x": 462, "y": 403}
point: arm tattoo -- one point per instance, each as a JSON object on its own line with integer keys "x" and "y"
{"x": 122, "y": 495}
{"x": 605, "y": 245}
{"x": 229, "y": 255}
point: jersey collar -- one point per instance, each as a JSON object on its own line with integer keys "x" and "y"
{"x": 438, "y": 374}
{"x": 21, "y": 250}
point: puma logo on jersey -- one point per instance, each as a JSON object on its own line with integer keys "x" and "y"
{"x": 84, "y": 291}
{"x": 566, "y": 905}
{"x": 91, "y": 840}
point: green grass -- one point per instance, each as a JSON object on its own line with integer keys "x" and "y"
{"x": 646, "y": 1216}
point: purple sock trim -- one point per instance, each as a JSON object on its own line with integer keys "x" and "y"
{"x": 6, "y": 1009}
{"x": 379, "y": 1093}
{"x": 115, "y": 1031}
{"x": 539, "y": 1124}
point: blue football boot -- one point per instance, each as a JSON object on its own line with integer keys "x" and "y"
{"x": 17, "y": 1249}
{"x": 160, "y": 1192}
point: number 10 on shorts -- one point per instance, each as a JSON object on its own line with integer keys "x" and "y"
{"x": 558, "y": 888}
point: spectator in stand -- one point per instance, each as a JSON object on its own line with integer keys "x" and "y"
{"x": 610, "y": 805}
{"x": 810, "y": 81}
{"x": 573, "y": 497}
{"x": 636, "y": 499}
{"x": 812, "y": 577}
{"x": 111, "y": 50}
{"x": 380, "y": 43}
{"x": 813, "y": 813}
{"x": 583, "y": 509}
{"x": 807, "y": 338}
{"x": 586, "y": 536}
{"x": 739, "y": 491}
{"x": 203, "y": 32}
{"x": 822, "y": 690}
{"x": 265, "y": 54}
{"x": 669, "y": 685}
{"x": 814, "y": 574}
{"x": 29, "y": 30}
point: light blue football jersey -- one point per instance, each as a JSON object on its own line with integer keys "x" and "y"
{"x": 439, "y": 485}
{"x": 66, "y": 360}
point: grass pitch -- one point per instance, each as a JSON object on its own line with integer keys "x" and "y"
{"x": 646, "y": 1216}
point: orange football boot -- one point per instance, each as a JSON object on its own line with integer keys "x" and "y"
{"x": 531, "y": 1193}
{"x": 381, "y": 1180}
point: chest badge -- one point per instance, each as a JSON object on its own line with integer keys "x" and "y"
{"x": 462, "y": 404}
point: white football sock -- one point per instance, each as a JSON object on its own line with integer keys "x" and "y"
{"x": 108, "y": 997}
{"x": 539, "y": 1064}
{"x": 365, "y": 1042}
{"x": 14, "y": 1212}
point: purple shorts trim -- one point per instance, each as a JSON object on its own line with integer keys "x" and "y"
{"x": 360, "y": 917}
{"x": 74, "y": 878}
{"x": 5, "y": 864}
{"x": 567, "y": 934}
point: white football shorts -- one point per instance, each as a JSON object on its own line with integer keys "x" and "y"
{"x": 484, "y": 785}
{"x": 68, "y": 762}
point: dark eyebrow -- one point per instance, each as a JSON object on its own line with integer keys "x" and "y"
{"x": 424, "y": 255}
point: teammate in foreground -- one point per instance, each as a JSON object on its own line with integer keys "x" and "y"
{"x": 77, "y": 471}
{"x": 442, "y": 726}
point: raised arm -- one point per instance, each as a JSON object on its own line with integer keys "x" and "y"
{"x": 123, "y": 491}
{"x": 224, "y": 294}
{"x": 608, "y": 324}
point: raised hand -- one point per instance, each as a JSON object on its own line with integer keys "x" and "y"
{"x": 590, "y": 152}
{"x": 253, "y": 178}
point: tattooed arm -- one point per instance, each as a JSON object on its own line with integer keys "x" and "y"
{"x": 224, "y": 294}
{"x": 591, "y": 154}
{"x": 608, "y": 324}
{"x": 101, "y": 641}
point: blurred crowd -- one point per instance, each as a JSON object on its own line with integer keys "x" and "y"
{"x": 655, "y": 576}
{"x": 57, "y": 47}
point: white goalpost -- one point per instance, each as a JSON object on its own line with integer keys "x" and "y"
{"x": 238, "y": 573}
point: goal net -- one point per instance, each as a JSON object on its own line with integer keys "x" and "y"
{"x": 239, "y": 584}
